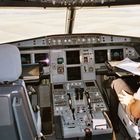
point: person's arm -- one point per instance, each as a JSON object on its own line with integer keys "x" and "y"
{"x": 132, "y": 104}
{"x": 125, "y": 98}
{"x": 119, "y": 85}
{"x": 134, "y": 108}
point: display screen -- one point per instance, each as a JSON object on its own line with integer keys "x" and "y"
{"x": 89, "y": 84}
{"x": 25, "y": 59}
{"x": 40, "y": 56}
{"x": 100, "y": 56}
{"x": 73, "y": 57}
{"x": 117, "y": 54}
{"x": 30, "y": 72}
{"x": 73, "y": 73}
{"x": 60, "y": 60}
{"x": 60, "y": 86}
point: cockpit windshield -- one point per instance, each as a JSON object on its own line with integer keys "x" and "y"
{"x": 124, "y": 20}
{"x": 30, "y": 22}
{"x": 72, "y": 53}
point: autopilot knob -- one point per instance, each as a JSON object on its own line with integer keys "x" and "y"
{"x": 88, "y": 134}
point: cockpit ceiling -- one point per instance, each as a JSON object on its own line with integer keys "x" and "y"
{"x": 66, "y": 3}
{"x": 25, "y": 23}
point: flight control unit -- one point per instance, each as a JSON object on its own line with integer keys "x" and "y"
{"x": 78, "y": 105}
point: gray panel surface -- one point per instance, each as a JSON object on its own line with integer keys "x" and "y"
{"x": 4, "y": 112}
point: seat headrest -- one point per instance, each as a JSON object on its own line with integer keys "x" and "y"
{"x": 10, "y": 63}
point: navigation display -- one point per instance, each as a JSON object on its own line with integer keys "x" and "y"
{"x": 100, "y": 56}
{"x": 60, "y": 86}
{"x": 73, "y": 73}
{"x": 117, "y": 54}
{"x": 25, "y": 59}
{"x": 73, "y": 57}
{"x": 89, "y": 84}
{"x": 40, "y": 56}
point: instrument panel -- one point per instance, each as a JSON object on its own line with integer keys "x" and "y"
{"x": 72, "y": 39}
{"x": 77, "y": 56}
{"x": 81, "y": 107}
{"x": 72, "y": 62}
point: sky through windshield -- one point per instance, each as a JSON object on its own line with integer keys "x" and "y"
{"x": 25, "y": 23}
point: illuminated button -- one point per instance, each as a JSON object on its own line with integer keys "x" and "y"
{"x": 59, "y": 41}
{"x": 83, "y": 40}
{"x": 80, "y": 84}
{"x": 54, "y": 41}
{"x": 79, "y": 40}
{"x": 82, "y": 1}
{"x": 98, "y": 39}
{"x": 93, "y": 39}
{"x": 89, "y": 40}
{"x": 65, "y": 40}
{"x": 65, "y": 3}
{"x": 69, "y": 40}
{"x": 53, "y": 2}
{"x": 62, "y": 97}
{"x": 60, "y": 60}
{"x": 49, "y": 41}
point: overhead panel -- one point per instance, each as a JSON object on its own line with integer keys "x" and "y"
{"x": 66, "y": 3}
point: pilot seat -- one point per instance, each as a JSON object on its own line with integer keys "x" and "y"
{"x": 17, "y": 119}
